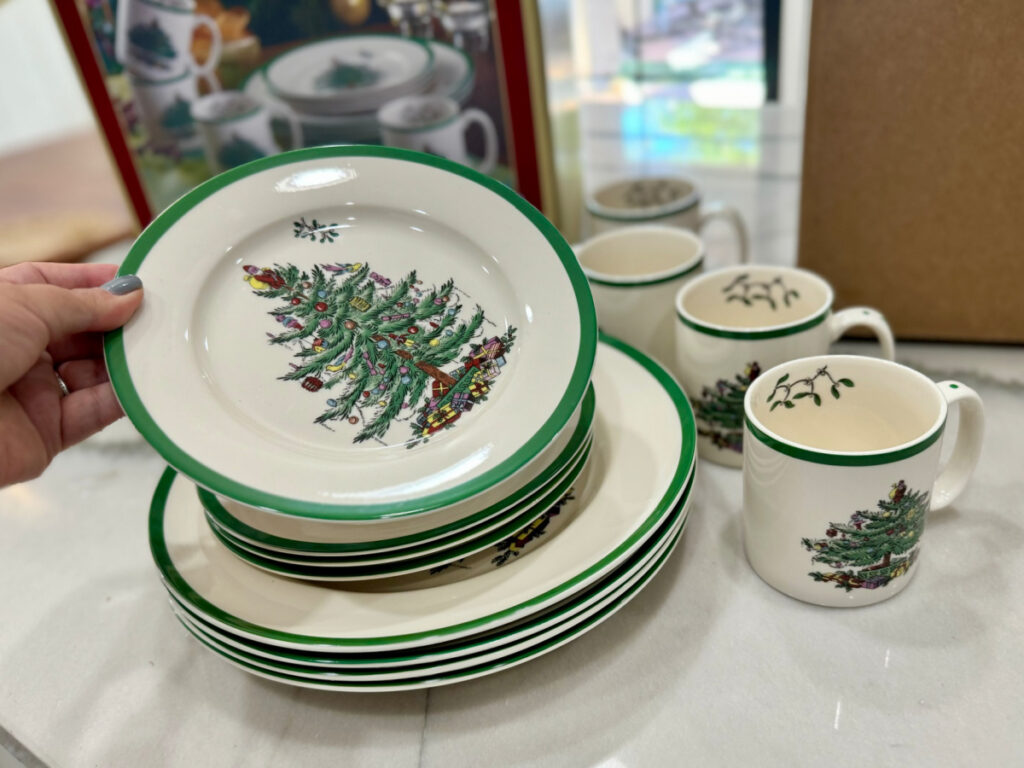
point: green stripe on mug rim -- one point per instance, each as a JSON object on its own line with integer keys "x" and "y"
{"x": 599, "y": 278}
{"x": 773, "y": 332}
{"x": 846, "y": 458}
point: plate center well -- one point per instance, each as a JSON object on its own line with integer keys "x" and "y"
{"x": 356, "y": 330}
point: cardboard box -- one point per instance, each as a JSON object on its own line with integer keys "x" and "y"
{"x": 913, "y": 176}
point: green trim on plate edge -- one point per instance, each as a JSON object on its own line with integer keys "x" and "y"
{"x": 677, "y": 487}
{"x": 124, "y": 388}
{"x": 491, "y": 666}
{"x": 240, "y": 529}
{"x": 768, "y": 333}
{"x": 845, "y": 459}
{"x": 442, "y": 652}
{"x": 644, "y": 283}
{"x": 418, "y": 562}
{"x": 636, "y": 217}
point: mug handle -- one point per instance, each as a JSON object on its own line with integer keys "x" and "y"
{"x": 490, "y": 158}
{"x": 872, "y": 319}
{"x": 213, "y": 58}
{"x": 967, "y": 448}
{"x": 730, "y": 215}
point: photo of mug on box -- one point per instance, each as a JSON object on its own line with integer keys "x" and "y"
{"x": 671, "y": 201}
{"x": 840, "y": 468}
{"x": 734, "y": 323}
{"x": 236, "y": 129}
{"x": 155, "y": 37}
{"x": 634, "y": 274}
{"x": 436, "y": 125}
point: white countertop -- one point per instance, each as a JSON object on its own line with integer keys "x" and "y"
{"x": 707, "y": 666}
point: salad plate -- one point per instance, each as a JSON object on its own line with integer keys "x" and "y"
{"x": 352, "y": 73}
{"x": 435, "y": 677}
{"x": 360, "y": 333}
{"x": 643, "y": 455}
{"x": 545, "y": 518}
{"x": 445, "y": 651}
{"x": 506, "y": 522}
{"x": 290, "y": 534}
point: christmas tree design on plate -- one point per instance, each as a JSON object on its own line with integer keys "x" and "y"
{"x": 719, "y": 409}
{"x": 151, "y": 44}
{"x": 382, "y": 351}
{"x": 875, "y": 546}
{"x": 342, "y": 75}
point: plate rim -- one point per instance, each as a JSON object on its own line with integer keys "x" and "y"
{"x": 535, "y": 485}
{"x": 676, "y": 488}
{"x": 576, "y": 388}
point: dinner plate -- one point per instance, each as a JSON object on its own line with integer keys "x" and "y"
{"x": 514, "y": 647}
{"x": 456, "y": 672}
{"x": 290, "y": 534}
{"x": 544, "y": 519}
{"x": 643, "y": 454}
{"x": 468, "y": 646}
{"x": 352, "y": 73}
{"x": 360, "y": 333}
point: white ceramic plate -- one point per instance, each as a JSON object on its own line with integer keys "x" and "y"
{"x": 436, "y": 653}
{"x": 454, "y": 530}
{"x": 643, "y": 454}
{"x": 457, "y": 671}
{"x": 466, "y": 558}
{"x": 652, "y": 561}
{"x": 498, "y": 527}
{"x": 473, "y": 646}
{"x": 288, "y": 533}
{"x": 360, "y": 333}
{"x": 349, "y": 74}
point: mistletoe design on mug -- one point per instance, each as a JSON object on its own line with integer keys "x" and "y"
{"x": 786, "y": 387}
{"x": 881, "y": 543}
{"x": 772, "y": 292}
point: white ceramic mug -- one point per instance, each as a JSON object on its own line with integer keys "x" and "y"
{"x": 435, "y": 124}
{"x": 155, "y": 36}
{"x": 237, "y": 128}
{"x": 165, "y": 106}
{"x": 668, "y": 200}
{"x": 737, "y": 322}
{"x": 840, "y": 467}
{"x": 634, "y": 275}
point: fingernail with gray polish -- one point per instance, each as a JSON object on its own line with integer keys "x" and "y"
{"x": 119, "y": 286}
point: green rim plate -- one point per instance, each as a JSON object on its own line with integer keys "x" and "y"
{"x": 671, "y": 495}
{"x": 210, "y": 478}
{"x": 221, "y": 516}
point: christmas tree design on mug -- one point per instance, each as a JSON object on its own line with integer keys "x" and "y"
{"x": 380, "y": 347}
{"x": 876, "y": 546}
{"x": 719, "y": 409}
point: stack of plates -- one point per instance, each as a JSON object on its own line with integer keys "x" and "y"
{"x": 341, "y": 114}
{"x": 401, "y": 458}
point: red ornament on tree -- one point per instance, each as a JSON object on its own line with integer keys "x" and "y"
{"x": 414, "y": 329}
{"x": 366, "y": 393}
{"x": 296, "y": 300}
{"x": 349, "y": 324}
{"x": 353, "y": 419}
{"x": 320, "y": 306}
{"x": 831, "y": 532}
{"x": 318, "y": 342}
{"x": 312, "y": 383}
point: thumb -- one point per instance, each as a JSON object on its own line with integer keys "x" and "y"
{"x": 32, "y": 317}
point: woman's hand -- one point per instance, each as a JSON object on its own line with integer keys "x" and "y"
{"x": 52, "y": 319}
